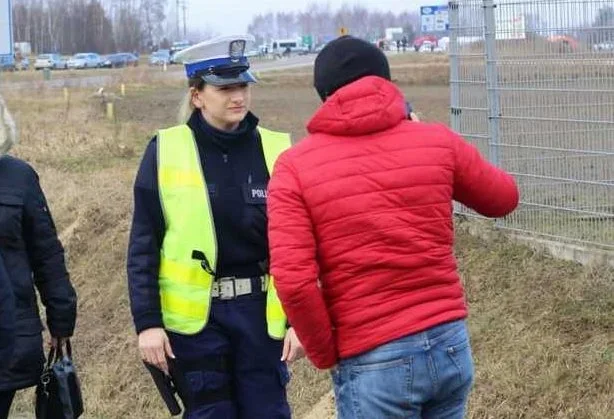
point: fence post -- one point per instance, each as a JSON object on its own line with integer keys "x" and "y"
{"x": 453, "y": 54}
{"x": 492, "y": 80}
{"x": 455, "y": 105}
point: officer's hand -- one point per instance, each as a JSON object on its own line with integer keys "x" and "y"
{"x": 155, "y": 347}
{"x": 293, "y": 349}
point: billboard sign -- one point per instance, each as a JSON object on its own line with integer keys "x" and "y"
{"x": 434, "y": 18}
{"x": 6, "y": 32}
{"x": 511, "y": 27}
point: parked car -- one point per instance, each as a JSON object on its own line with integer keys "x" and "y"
{"x": 120, "y": 59}
{"x": 7, "y": 63}
{"x": 132, "y": 59}
{"x": 604, "y": 46}
{"x": 23, "y": 64}
{"x": 54, "y": 61}
{"x": 160, "y": 57}
{"x": 176, "y": 47}
{"x": 427, "y": 46}
{"x": 85, "y": 60}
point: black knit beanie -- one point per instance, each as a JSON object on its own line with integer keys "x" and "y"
{"x": 345, "y": 60}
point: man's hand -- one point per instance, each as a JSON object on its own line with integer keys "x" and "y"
{"x": 56, "y": 343}
{"x": 293, "y": 349}
{"x": 155, "y": 347}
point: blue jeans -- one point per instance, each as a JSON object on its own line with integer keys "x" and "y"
{"x": 425, "y": 375}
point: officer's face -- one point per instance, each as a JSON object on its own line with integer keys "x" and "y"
{"x": 224, "y": 106}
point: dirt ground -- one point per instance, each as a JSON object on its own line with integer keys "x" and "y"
{"x": 542, "y": 330}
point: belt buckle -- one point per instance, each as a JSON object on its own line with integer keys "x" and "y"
{"x": 226, "y": 288}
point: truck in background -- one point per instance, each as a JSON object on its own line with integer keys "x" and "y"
{"x": 176, "y": 47}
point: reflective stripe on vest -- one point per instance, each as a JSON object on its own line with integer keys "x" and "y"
{"x": 185, "y": 287}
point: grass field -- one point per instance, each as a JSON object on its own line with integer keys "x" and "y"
{"x": 542, "y": 329}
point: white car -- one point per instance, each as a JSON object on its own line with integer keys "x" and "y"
{"x": 53, "y": 61}
{"x": 85, "y": 60}
{"x": 427, "y": 47}
{"x": 604, "y": 46}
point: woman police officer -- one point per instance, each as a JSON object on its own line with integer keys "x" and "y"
{"x": 201, "y": 296}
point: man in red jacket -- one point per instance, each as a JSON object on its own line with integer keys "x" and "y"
{"x": 361, "y": 240}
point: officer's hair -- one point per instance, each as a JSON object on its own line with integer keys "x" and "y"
{"x": 187, "y": 107}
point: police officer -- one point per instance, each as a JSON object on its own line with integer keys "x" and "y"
{"x": 201, "y": 296}
{"x": 7, "y": 318}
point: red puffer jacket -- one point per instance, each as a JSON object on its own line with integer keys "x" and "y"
{"x": 360, "y": 222}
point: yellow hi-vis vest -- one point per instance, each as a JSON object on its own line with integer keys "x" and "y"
{"x": 185, "y": 287}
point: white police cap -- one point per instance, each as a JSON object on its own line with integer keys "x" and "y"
{"x": 219, "y": 61}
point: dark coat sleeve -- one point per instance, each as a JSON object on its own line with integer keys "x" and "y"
{"x": 46, "y": 256}
{"x": 7, "y": 317}
{"x": 146, "y": 237}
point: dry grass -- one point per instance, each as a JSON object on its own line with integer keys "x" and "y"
{"x": 408, "y": 70}
{"x": 542, "y": 329}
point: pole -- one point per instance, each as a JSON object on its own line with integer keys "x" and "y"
{"x": 110, "y": 111}
{"x": 455, "y": 106}
{"x": 177, "y": 18}
{"x": 185, "y": 7}
{"x": 492, "y": 84}
{"x": 492, "y": 80}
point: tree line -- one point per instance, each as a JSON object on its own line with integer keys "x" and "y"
{"x": 321, "y": 22}
{"x": 103, "y": 26}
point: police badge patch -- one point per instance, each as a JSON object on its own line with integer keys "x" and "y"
{"x": 236, "y": 49}
{"x": 255, "y": 193}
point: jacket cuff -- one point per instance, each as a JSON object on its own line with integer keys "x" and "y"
{"x": 325, "y": 361}
{"x": 61, "y": 328}
{"x": 147, "y": 321}
{"x": 61, "y": 333}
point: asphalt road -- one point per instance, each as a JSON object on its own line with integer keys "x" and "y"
{"x": 58, "y": 81}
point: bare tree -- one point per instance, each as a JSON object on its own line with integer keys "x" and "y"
{"x": 201, "y": 34}
{"x": 322, "y": 23}
{"x": 153, "y": 13}
{"x": 263, "y": 27}
{"x": 286, "y": 24}
{"x": 70, "y": 26}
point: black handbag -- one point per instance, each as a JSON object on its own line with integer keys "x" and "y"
{"x": 58, "y": 394}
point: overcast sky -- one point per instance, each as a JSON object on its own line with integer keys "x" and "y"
{"x": 232, "y": 16}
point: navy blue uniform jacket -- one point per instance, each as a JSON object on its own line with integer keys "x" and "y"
{"x": 233, "y": 165}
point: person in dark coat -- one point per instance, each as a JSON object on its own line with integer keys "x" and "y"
{"x": 34, "y": 260}
{"x": 7, "y": 300}
{"x": 7, "y": 318}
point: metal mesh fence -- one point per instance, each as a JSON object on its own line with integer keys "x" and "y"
{"x": 532, "y": 85}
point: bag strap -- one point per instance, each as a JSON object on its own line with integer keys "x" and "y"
{"x": 51, "y": 358}
{"x": 68, "y": 348}
{"x": 57, "y": 353}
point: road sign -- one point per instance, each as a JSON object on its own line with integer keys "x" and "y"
{"x": 510, "y": 27}
{"x": 434, "y": 18}
{"x": 6, "y": 33}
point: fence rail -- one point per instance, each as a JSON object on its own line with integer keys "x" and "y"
{"x": 532, "y": 86}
